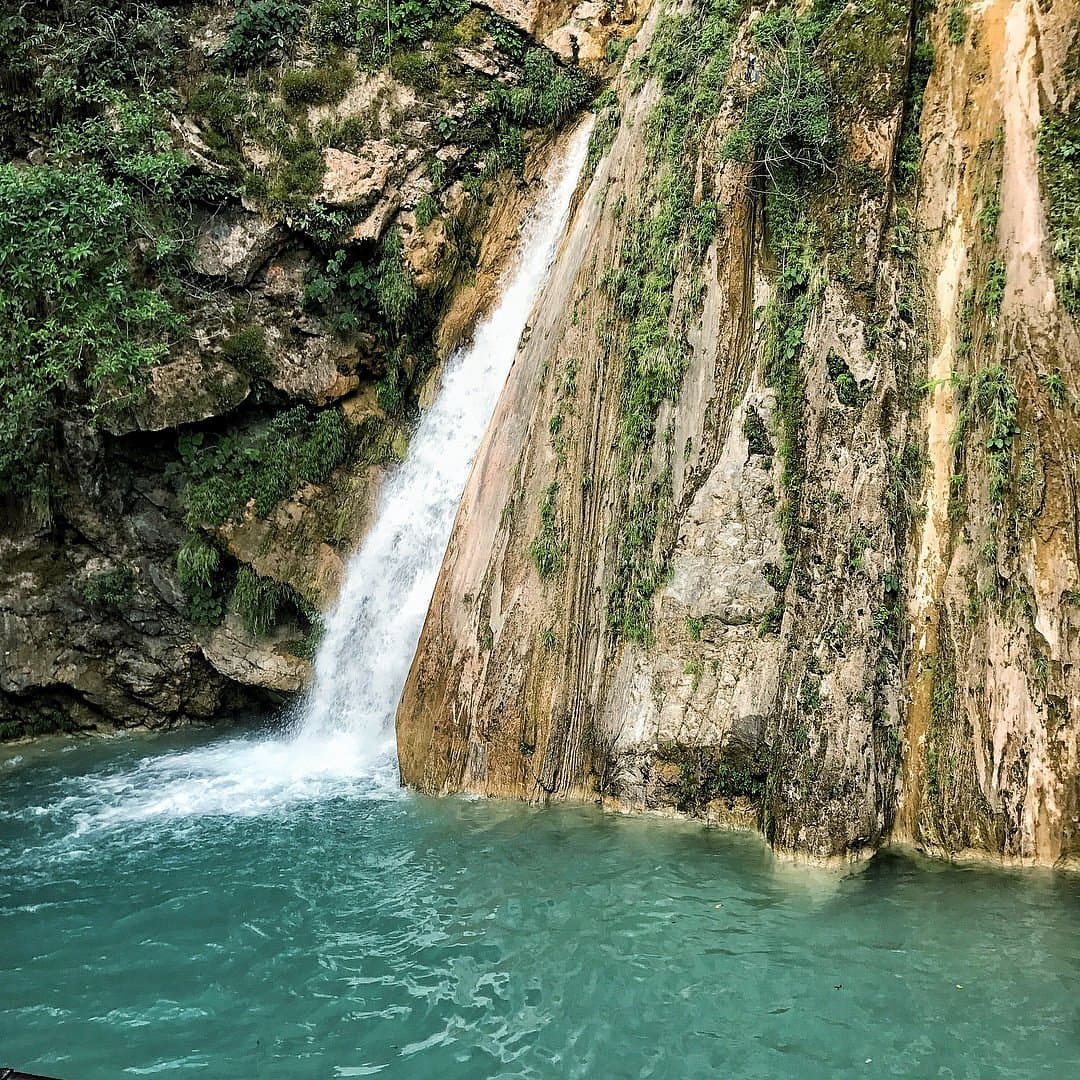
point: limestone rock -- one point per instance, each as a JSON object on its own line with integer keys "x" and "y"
{"x": 358, "y": 179}
{"x": 184, "y": 391}
{"x": 311, "y": 369}
{"x": 234, "y": 245}
{"x": 264, "y": 663}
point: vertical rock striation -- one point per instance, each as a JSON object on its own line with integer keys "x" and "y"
{"x": 714, "y": 554}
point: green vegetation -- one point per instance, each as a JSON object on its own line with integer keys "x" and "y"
{"x": 260, "y": 29}
{"x": 221, "y": 474}
{"x": 639, "y": 569}
{"x": 847, "y": 389}
{"x": 246, "y": 349}
{"x": 427, "y": 210}
{"x": 706, "y": 773}
{"x": 957, "y": 22}
{"x": 993, "y": 291}
{"x": 1054, "y": 384}
{"x": 109, "y": 590}
{"x": 548, "y": 550}
{"x": 257, "y": 601}
{"x": 604, "y": 130}
{"x": 1059, "y": 171}
{"x": 788, "y": 122}
{"x": 757, "y": 435}
{"x": 198, "y": 566}
{"x": 909, "y": 149}
{"x": 315, "y": 86}
{"x": 989, "y": 398}
{"x": 78, "y": 332}
{"x": 394, "y": 285}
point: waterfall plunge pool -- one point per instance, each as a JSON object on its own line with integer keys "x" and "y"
{"x": 155, "y": 921}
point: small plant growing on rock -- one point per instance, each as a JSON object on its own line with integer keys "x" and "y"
{"x": 315, "y": 86}
{"x": 547, "y": 550}
{"x": 260, "y": 28}
{"x": 394, "y": 285}
{"x": 246, "y": 349}
{"x": 109, "y": 590}
{"x": 257, "y": 600}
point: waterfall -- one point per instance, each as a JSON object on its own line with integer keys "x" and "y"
{"x": 342, "y": 737}
{"x": 372, "y": 633}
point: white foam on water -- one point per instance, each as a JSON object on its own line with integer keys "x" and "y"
{"x": 342, "y": 738}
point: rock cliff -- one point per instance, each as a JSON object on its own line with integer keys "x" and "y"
{"x": 775, "y": 523}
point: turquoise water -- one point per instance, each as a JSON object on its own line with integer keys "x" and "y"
{"x": 341, "y": 930}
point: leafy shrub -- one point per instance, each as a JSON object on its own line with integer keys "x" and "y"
{"x": 246, "y": 349}
{"x": 223, "y": 475}
{"x": 76, "y": 330}
{"x": 1059, "y": 170}
{"x": 316, "y": 86}
{"x": 197, "y": 561}
{"x": 757, "y": 435}
{"x": 427, "y": 210}
{"x": 198, "y": 565}
{"x": 415, "y": 69}
{"x": 394, "y": 285}
{"x": 549, "y": 94}
{"x": 547, "y": 550}
{"x": 109, "y": 590}
{"x": 957, "y": 22}
{"x": 787, "y": 122}
{"x": 260, "y": 28}
{"x": 258, "y": 600}
{"x": 390, "y": 390}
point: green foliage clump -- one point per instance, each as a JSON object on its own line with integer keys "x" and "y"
{"x": 260, "y": 28}
{"x": 993, "y": 290}
{"x": 548, "y": 551}
{"x": 246, "y": 349}
{"x": 109, "y": 590}
{"x": 1059, "y": 171}
{"x": 756, "y": 434}
{"x": 604, "y": 130}
{"x": 788, "y": 122}
{"x": 222, "y": 475}
{"x": 989, "y": 397}
{"x": 427, "y": 209}
{"x": 394, "y": 286}
{"x": 547, "y": 96}
{"x": 706, "y": 773}
{"x": 78, "y": 332}
{"x": 198, "y": 565}
{"x": 415, "y": 69}
{"x": 909, "y": 148}
{"x": 316, "y": 86}
{"x": 847, "y": 389}
{"x": 639, "y": 572}
{"x": 957, "y": 22}
{"x": 258, "y": 600}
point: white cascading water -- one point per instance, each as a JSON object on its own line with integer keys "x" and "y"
{"x": 342, "y": 739}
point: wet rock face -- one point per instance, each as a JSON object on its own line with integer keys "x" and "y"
{"x": 88, "y": 641}
{"x": 837, "y": 644}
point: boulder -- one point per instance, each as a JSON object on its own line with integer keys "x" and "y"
{"x": 358, "y": 179}
{"x": 311, "y": 369}
{"x": 235, "y": 244}
{"x": 265, "y": 663}
{"x": 183, "y": 391}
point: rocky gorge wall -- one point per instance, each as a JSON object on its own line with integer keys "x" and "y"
{"x": 775, "y": 522}
{"x": 271, "y": 223}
